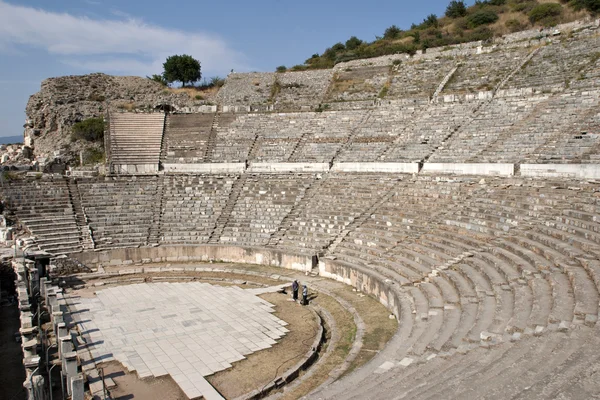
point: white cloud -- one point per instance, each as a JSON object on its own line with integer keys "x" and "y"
{"x": 111, "y": 45}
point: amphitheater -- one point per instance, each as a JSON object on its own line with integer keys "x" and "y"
{"x": 466, "y": 201}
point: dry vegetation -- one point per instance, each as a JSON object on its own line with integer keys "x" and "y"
{"x": 484, "y": 20}
{"x": 197, "y": 93}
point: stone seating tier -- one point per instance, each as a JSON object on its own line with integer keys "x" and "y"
{"x": 45, "y": 208}
{"x": 119, "y": 210}
{"x": 187, "y": 136}
{"x": 475, "y": 263}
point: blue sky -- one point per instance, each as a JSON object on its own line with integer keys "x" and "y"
{"x": 45, "y": 38}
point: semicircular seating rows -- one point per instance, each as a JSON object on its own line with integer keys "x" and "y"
{"x": 477, "y": 265}
{"x": 496, "y": 279}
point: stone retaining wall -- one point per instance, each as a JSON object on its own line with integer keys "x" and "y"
{"x": 181, "y": 254}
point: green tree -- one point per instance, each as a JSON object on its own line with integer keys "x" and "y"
{"x": 183, "y": 68}
{"x": 392, "y": 32}
{"x": 456, "y": 9}
{"x": 353, "y": 43}
{"x": 430, "y": 21}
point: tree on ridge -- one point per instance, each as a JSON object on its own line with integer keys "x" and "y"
{"x": 181, "y": 68}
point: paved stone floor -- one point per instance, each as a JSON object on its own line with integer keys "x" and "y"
{"x": 187, "y": 330}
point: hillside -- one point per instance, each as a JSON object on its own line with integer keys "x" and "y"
{"x": 64, "y": 101}
{"x": 538, "y": 61}
{"x": 484, "y": 20}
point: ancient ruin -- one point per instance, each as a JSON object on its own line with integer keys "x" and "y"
{"x": 464, "y": 198}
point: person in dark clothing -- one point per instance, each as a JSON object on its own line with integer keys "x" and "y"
{"x": 295, "y": 288}
{"x": 304, "y": 295}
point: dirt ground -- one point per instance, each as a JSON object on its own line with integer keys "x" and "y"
{"x": 379, "y": 328}
{"x": 12, "y": 372}
{"x": 129, "y": 386}
{"x": 344, "y": 325}
{"x": 262, "y": 367}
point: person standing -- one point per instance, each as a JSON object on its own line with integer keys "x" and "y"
{"x": 304, "y": 295}
{"x": 295, "y": 288}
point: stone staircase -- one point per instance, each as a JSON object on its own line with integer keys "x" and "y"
{"x": 330, "y": 248}
{"x": 301, "y": 143}
{"x": 443, "y": 83}
{"x": 136, "y": 141}
{"x": 350, "y": 137}
{"x": 82, "y": 222}
{"x": 254, "y": 148}
{"x": 225, "y": 215}
{"x": 212, "y": 138}
{"x": 154, "y": 234}
{"x": 300, "y": 205}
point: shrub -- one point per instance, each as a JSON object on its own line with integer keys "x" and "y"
{"x": 392, "y": 32}
{"x": 346, "y": 57}
{"x": 158, "y": 78}
{"x": 514, "y": 25}
{"x": 91, "y": 130}
{"x": 93, "y": 156}
{"x": 384, "y": 91}
{"x": 299, "y": 67}
{"x": 483, "y": 17}
{"x": 281, "y": 69}
{"x": 545, "y": 13}
{"x": 456, "y": 9}
{"x": 216, "y": 81}
{"x": 322, "y": 107}
{"x": 592, "y": 6}
{"x": 430, "y": 21}
{"x": 199, "y": 97}
{"x": 332, "y": 52}
{"x": 353, "y": 43}
{"x": 524, "y": 6}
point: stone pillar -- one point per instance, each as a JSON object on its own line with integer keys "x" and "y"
{"x": 52, "y": 302}
{"x": 76, "y": 387}
{"x": 43, "y": 281}
{"x": 30, "y": 348}
{"x": 33, "y": 382}
{"x": 69, "y": 368}
{"x": 35, "y": 387}
{"x": 26, "y": 320}
{"x": 21, "y": 272}
{"x": 34, "y": 282}
{"x": 47, "y": 288}
{"x": 24, "y": 306}
{"x": 28, "y": 333}
{"x": 64, "y": 345}
{"x": 57, "y": 318}
{"x": 61, "y": 330}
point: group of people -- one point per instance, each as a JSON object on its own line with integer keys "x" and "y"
{"x": 295, "y": 288}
